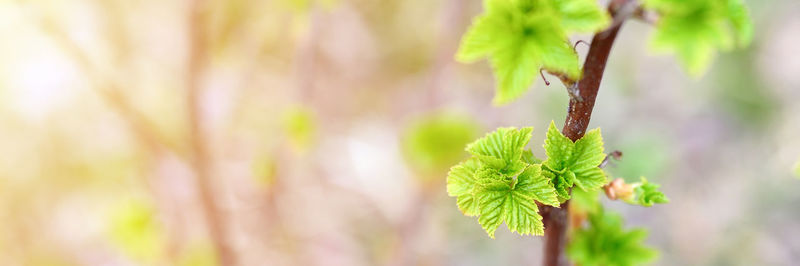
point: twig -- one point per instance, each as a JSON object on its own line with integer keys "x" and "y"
{"x": 200, "y": 159}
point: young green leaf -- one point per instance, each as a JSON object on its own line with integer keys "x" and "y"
{"x": 582, "y": 15}
{"x": 694, "y": 30}
{"x": 516, "y": 203}
{"x": 522, "y": 37}
{"x": 574, "y": 162}
{"x": 558, "y": 148}
{"x": 606, "y": 243}
{"x": 460, "y": 183}
{"x": 647, "y": 194}
{"x": 529, "y": 158}
{"x": 502, "y": 182}
{"x": 535, "y": 185}
{"x": 502, "y": 149}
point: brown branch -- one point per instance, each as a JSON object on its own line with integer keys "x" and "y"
{"x": 578, "y": 116}
{"x": 200, "y": 157}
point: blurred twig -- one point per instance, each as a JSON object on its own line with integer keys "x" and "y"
{"x": 200, "y": 157}
{"x": 110, "y": 91}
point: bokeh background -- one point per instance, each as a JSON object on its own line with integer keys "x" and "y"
{"x": 302, "y": 132}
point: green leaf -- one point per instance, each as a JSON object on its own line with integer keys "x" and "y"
{"x": 502, "y": 149}
{"x": 584, "y": 201}
{"x": 460, "y": 183}
{"x": 516, "y": 204}
{"x": 574, "y": 162}
{"x": 588, "y": 151}
{"x": 529, "y": 158}
{"x": 493, "y": 199}
{"x": 533, "y": 183}
{"x": 695, "y": 30}
{"x": 558, "y": 148}
{"x": 434, "y": 142}
{"x": 647, "y": 194}
{"x": 582, "y": 15}
{"x": 590, "y": 179}
{"x": 521, "y": 37}
{"x": 604, "y": 242}
{"x": 740, "y": 19}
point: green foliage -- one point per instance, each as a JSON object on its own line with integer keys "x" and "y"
{"x": 135, "y": 230}
{"x": 520, "y": 37}
{"x": 575, "y": 163}
{"x": 647, "y": 194}
{"x": 433, "y": 143}
{"x": 604, "y": 242}
{"x": 695, "y": 29}
{"x": 501, "y": 182}
{"x": 300, "y": 126}
{"x": 514, "y": 203}
{"x": 584, "y": 201}
{"x": 502, "y": 150}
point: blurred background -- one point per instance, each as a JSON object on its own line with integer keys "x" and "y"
{"x": 303, "y": 132}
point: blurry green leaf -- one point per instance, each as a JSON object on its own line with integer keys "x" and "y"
{"x": 797, "y": 168}
{"x": 301, "y": 127}
{"x": 136, "y": 231}
{"x": 434, "y": 143}
{"x": 740, "y": 91}
{"x": 605, "y": 243}
{"x": 582, "y": 15}
{"x": 584, "y": 201}
{"x": 574, "y": 162}
{"x": 522, "y": 37}
{"x": 695, "y": 29}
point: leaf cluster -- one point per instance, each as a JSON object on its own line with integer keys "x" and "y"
{"x": 574, "y": 163}
{"x": 605, "y": 242}
{"x": 503, "y": 181}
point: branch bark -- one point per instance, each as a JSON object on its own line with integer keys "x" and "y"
{"x": 577, "y": 121}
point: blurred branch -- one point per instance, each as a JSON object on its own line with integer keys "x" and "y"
{"x": 200, "y": 158}
{"x": 110, "y": 91}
